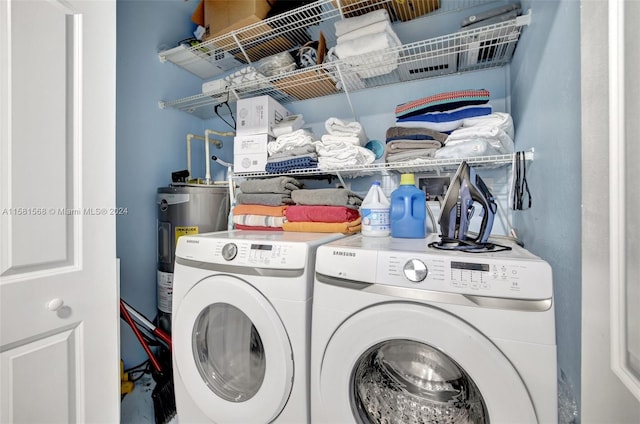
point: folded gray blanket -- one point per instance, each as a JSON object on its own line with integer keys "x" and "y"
{"x": 326, "y": 197}
{"x": 266, "y": 199}
{"x": 270, "y": 185}
{"x": 396, "y": 132}
{"x": 410, "y": 155}
{"x": 399, "y": 150}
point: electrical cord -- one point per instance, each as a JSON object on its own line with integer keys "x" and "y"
{"x": 225, "y": 103}
{"x": 468, "y": 246}
{"x": 520, "y": 184}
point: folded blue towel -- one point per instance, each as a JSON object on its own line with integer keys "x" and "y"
{"x": 450, "y": 116}
{"x": 297, "y": 162}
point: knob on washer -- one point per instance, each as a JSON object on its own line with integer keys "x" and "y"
{"x": 415, "y": 270}
{"x": 229, "y": 251}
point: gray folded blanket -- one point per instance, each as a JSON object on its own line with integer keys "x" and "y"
{"x": 410, "y": 155}
{"x": 270, "y": 185}
{"x": 266, "y": 199}
{"x": 398, "y": 132}
{"x": 327, "y": 197}
{"x": 400, "y": 150}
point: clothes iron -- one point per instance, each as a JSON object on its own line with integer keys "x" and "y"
{"x": 467, "y": 192}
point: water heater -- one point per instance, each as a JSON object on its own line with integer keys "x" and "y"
{"x": 184, "y": 210}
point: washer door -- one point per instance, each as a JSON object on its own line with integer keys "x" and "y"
{"x": 410, "y": 363}
{"x": 232, "y": 351}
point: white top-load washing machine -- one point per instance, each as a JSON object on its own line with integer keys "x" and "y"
{"x": 241, "y": 316}
{"x": 405, "y": 333}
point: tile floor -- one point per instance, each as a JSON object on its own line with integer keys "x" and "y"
{"x": 137, "y": 406}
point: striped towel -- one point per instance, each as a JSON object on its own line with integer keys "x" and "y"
{"x": 442, "y": 102}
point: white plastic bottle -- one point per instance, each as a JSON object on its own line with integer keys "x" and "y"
{"x": 375, "y": 213}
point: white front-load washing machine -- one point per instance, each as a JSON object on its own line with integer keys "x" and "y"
{"x": 405, "y": 333}
{"x": 241, "y": 315}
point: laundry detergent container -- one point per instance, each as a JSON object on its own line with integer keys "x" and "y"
{"x": 408, "y": 209}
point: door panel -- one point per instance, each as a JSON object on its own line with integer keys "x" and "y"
{"x": 42, "y": 88}
{"x": 59, "y": 355}
{"x": 59, "y": 405}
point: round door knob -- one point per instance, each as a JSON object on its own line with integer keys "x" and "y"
{"x": 415, "y": 270}
{"x": 55, "y": 304}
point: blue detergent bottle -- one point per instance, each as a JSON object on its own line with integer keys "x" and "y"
{"x": 408, "y": 209}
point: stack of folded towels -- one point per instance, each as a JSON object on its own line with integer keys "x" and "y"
{"x": 343, "y": 145}
{"x": 406, "y": 145}
{"x": 367, "y": 43}
{"x": 473, "y": 128}
{"x": 325, "y": 210}
{"x": 289, "y": 151}
{"x": 262, "y": 203}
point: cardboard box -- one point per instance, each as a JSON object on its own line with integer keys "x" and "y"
{"x": 256, "y": 115}
{"x": 250, "y": 152}
{"x": 403, "y": 10}
{"x": 223, "y": 16}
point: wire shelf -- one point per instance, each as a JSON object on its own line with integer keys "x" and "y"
{"x": 468, "y": 50}
{"x": 292, "y": 29}
{"x": 424, "y": 165}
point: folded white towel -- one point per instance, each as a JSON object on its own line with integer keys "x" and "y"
{"x": 471, "y": 148}
{"x": 367, "y": 44}
{"x": 371, "y": 56}
{"x": 495, "y": 137}
{"x": 501, "y": 120}
{"x": 288, "y": 141}
{"x": 336, "y": 126}
{"x": 351, "y": 24}
{"x": 375, "y": 28}
{"x": 339, "y": 139}
{"x": 354, "y": 155}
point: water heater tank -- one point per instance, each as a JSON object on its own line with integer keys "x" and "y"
{"x": 184, "y": 210}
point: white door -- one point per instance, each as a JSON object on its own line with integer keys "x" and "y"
{"x": 232, "y": 351}
{"x": 59, "y": 341}
{"x": 610, "y": 389}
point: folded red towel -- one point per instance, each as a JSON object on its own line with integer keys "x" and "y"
{"x": 319, "y": 213}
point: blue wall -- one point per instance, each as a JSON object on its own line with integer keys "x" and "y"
{"x": 545, "y": 80}
{"x": 541, "y": 89}
{"x": 151, "y": 143}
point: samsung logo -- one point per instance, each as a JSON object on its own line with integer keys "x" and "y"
{"x": 342, "y": 253}
{"x": 193, "y": 241}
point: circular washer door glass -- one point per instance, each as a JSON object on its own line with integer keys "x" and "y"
{"x": 228, "y": 352}
{"x": 404, "y": 381}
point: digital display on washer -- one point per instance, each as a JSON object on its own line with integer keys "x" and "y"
{"x": 261, "y": 247}
{"x": 470, "y": 266}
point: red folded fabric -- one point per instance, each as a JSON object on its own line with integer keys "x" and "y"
{"x": 257, "y": 228}
{"x": 319, "y": 213}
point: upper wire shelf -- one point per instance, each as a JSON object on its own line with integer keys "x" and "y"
{"x": 292, "y": 29}
{"x": 424, "y": 165}
{"x": 469, "y": 50}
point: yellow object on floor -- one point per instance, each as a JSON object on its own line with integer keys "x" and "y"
{"x": 126, "y": 386}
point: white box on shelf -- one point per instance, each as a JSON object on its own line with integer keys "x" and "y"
{"x": 250, "y": 152}
{"x": 251, "y": 143}
{"x": 254, "y": 162}
{"x": 204, "y": 62}
{"x": 257, "y": 115}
